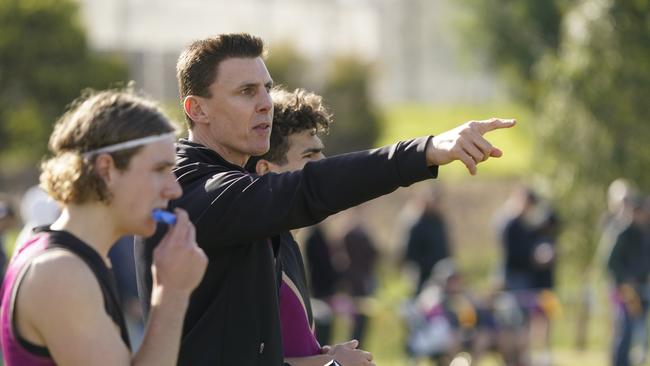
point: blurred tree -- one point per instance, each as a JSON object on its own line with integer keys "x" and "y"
{"x": 584, "y": 71}
{"x": 44, "y": 64}
{"x": 287, "y": 66}
{"x": 515, "y": 35}
{"x": 347, "y": 93}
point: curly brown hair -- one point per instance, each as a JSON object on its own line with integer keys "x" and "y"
{"x": 294, "y": 112}
{"x": 95, "y": 120}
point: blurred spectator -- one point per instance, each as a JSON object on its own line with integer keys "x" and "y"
{"x": 7, "y": 220}
{"x": 629, "y": 269}
{"x": 518, "y": 239}
{"x": 546, "y": 305}
{"x": 528, "y": 235}
{"x": 36, "y": 209}
{"x": 445, "y": 319}
{"x": 544, "y": 251}
{"x": 427, "y": 242}
{"x": 620, "y": 196}
{"x": 322, "y": 279}
{"x": 359, "y": 277}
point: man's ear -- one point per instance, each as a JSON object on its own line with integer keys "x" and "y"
{"x": 262, "y": 167}
{"x": 194, "y": 108}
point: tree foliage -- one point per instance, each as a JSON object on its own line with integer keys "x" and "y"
{"x": 515, "y": 35}
{"x": 583, "y": 68}
{"x": 287, "y": 66}
{"x": 45, "y": 62}
{"x": 347, "y": 91}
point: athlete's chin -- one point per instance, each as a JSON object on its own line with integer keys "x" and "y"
{"x": 146, "y": 229}
{"x": 260, "y": 149}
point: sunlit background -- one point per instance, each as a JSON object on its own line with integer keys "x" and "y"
{"x": 575, "y": 74}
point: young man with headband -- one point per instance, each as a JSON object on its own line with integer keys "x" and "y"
{"x": 111, "y": 169}
{"x": 233, "y": 316}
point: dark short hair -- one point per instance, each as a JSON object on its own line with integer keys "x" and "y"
{"x": 197, "y": 66}
{"x": 294, "y": 112}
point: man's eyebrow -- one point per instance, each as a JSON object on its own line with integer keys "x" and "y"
{"x": 248, "y": 84}
{"x": 312, "y": 150}
{"x": 253, "y": 84}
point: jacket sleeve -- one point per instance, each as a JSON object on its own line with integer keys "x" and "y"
{"x": 234, "y": 207}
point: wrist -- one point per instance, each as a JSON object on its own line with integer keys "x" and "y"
{"x": 161, "y": 295}
{"x": 431, "y": 153}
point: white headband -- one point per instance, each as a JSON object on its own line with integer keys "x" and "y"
{"x": 129, "y": 144}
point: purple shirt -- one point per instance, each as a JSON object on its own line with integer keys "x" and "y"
{"x": 14, "y": 350}
{"x": 297, "y": 336}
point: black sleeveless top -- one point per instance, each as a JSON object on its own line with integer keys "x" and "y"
{"x": 103, "y": 274}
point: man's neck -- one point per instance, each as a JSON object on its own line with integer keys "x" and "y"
{"x": 228, "y": 154}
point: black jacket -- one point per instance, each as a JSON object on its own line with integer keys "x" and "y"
{"x": 233, "y": 316}
{"x": 630, "y": 257}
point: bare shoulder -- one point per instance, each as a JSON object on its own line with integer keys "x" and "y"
{"x": 60, "y": 280}
{"x": 60, "y": 303}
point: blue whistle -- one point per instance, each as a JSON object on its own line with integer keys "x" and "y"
{"x": 163, "y": 216}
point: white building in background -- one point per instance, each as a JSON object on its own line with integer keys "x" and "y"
{"x": 411, "y": 42}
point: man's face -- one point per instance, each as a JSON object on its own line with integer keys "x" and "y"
{"x": 240, "y": 111}
{"x": 304, "y": 147}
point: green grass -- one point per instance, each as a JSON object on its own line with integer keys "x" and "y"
{"x": 411, "y": 120}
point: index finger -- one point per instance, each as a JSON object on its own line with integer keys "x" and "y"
{"x": 494, "y": 124}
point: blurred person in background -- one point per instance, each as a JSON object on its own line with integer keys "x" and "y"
{"x": 233, "y": 317}
{"x": 621, "y": 194}
{"x": 299, "y": 118}
{"x": 7, "y": 221}
{"x": 528, "y": 261}
{"x": 546, "y": 306}
{"x": 323, "y": 279}
{"x": 36, "y": 209}
{"x": 628, "y": 265}
{"x": 445, "y": 319}
{"x": 111, "y": 167}
{"x": 427, "y": 240}
{"x": 359, "y": 278}
{"x": 520, "y": 220}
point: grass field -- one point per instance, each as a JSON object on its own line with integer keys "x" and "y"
{"x": 407, "y": 121}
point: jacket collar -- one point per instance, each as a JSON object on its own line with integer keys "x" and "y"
{"x": 197, "y": 152}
